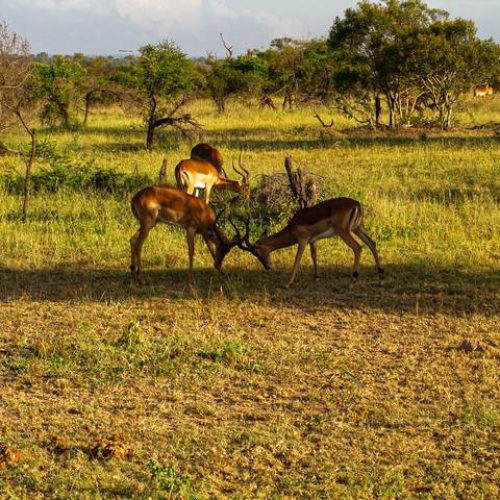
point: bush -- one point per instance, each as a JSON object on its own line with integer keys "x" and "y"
{"x": 85, "y": 177}
{"x": 64, "y": 172}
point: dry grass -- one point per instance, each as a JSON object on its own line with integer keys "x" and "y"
{"x": 238, "y": 388}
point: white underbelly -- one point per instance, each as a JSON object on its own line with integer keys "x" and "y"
{"x": 199, "y": 185}
{"x": 326, "y": 234}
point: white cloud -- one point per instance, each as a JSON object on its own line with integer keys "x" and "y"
{"x": 280, "y": 25}
{"x": 161, "y": 15}
{"x": 194, "y": 24}
{"x": 175, "y": 16}
{"x": 64, "y": 5}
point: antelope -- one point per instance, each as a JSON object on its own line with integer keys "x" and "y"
{"x": 483, "y": 90}
{"x": 173, "y": 206}
{"x": 334, "y": 217}
{"x": 206, "y": 152}
{"x": 198, "y": 174}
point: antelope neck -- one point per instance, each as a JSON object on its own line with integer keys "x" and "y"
{"x": 281, "y": 239}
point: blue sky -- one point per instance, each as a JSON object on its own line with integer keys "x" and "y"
{"x": 108, "y": 26}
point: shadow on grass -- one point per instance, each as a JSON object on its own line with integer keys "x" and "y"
{"x": 407, "y": 288}
{"x": 244, "y": 138}
{"x": 365, "y": 141}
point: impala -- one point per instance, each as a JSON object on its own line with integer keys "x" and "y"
{"x": 208, "y": 153}
{"x": 173, "y": 206}
{"x": 483, "y": 90}
{"x": 199, "y": 174}
{"x": 335, "y": 217}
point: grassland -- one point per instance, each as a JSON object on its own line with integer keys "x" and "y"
{"x": 234, "y": 387}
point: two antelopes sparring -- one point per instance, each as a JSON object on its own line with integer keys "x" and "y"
{"x": 341, "y": 217}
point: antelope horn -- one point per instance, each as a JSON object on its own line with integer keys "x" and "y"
{"x": 242, "y": 167}
{"x": 239, "y": 240}
{"x": 239, "y": 172}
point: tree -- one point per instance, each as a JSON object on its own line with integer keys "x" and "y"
{"x": 252, "y": 73}
{"x": 98, "y": 85}
{"x": 368, "y": 48}
{"x": 15, "y": 94}
{"x": 222, "y": 81}
{"x": 15, "y": 74}
{"x": 317, "y": 70}
{"x": 447, "y": 59}
{"x": 285, "y": 58}
{"x": 59, "y": 84}
{"x": 162, "y": 77}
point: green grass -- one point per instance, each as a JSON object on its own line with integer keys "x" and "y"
{"x": 234, "y": 387}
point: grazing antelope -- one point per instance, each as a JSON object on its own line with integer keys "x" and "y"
{"x": 200, "y": 174}
{"x": 206, "y": 152}
{"x": 335, "y": 217}
{"x": 173, "y": 206}
{"x": 483, "y": 90}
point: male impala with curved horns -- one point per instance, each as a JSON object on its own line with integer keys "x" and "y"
{"x": 199, "y": 174}
{"x": 173, "y": 206}
{"x": 335, "y": 217}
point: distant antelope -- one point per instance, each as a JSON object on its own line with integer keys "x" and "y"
{"x": 335, "y": 217}
{"x": 483, "y": 90}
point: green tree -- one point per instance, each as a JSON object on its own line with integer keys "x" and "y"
{"x": 368, "y": 42}
{"x": 253, "y": 73}
{"x": 163, "y": 73}
{"x": 222, "y": 81}
{"x": 99, "y": 86}
{"x": 447, "y": 59}
{"x": 59, "y": 84}
{"x": 317, "y": 69}
{"x": 285, "y": 58}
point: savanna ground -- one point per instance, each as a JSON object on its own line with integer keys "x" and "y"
{"x": 235, "y": 387}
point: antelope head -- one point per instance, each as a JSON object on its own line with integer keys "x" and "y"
{"x": 244, "y": 243}
{"x": 222, "y": 245}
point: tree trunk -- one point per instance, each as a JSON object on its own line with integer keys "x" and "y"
{"x": 221, "y": 104}
{"x": 150, "y": 123}
{"x": 378, "y": 110}
{"x": 150, "y": 135}
{"x": 288, "y": 101}
{"x": 27, "y": 177}
{"x": 88, "y": 102}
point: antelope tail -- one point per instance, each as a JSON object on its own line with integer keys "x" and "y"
{"x": 356, "y": 216}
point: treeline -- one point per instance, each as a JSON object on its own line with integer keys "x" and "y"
{"x": 381, "y": 64}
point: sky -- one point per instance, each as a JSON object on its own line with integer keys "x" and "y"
{"x": 112, "y": 26}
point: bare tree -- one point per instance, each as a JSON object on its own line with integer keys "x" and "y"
{"x": 15, "y": 73}
{"x": 229, "y": 48}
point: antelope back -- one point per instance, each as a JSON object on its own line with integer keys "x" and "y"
{"x": 206, "y": 152}
{"x": 194, "y": 169}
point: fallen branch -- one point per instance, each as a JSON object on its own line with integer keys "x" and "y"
{"x": 326, "y": 125}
